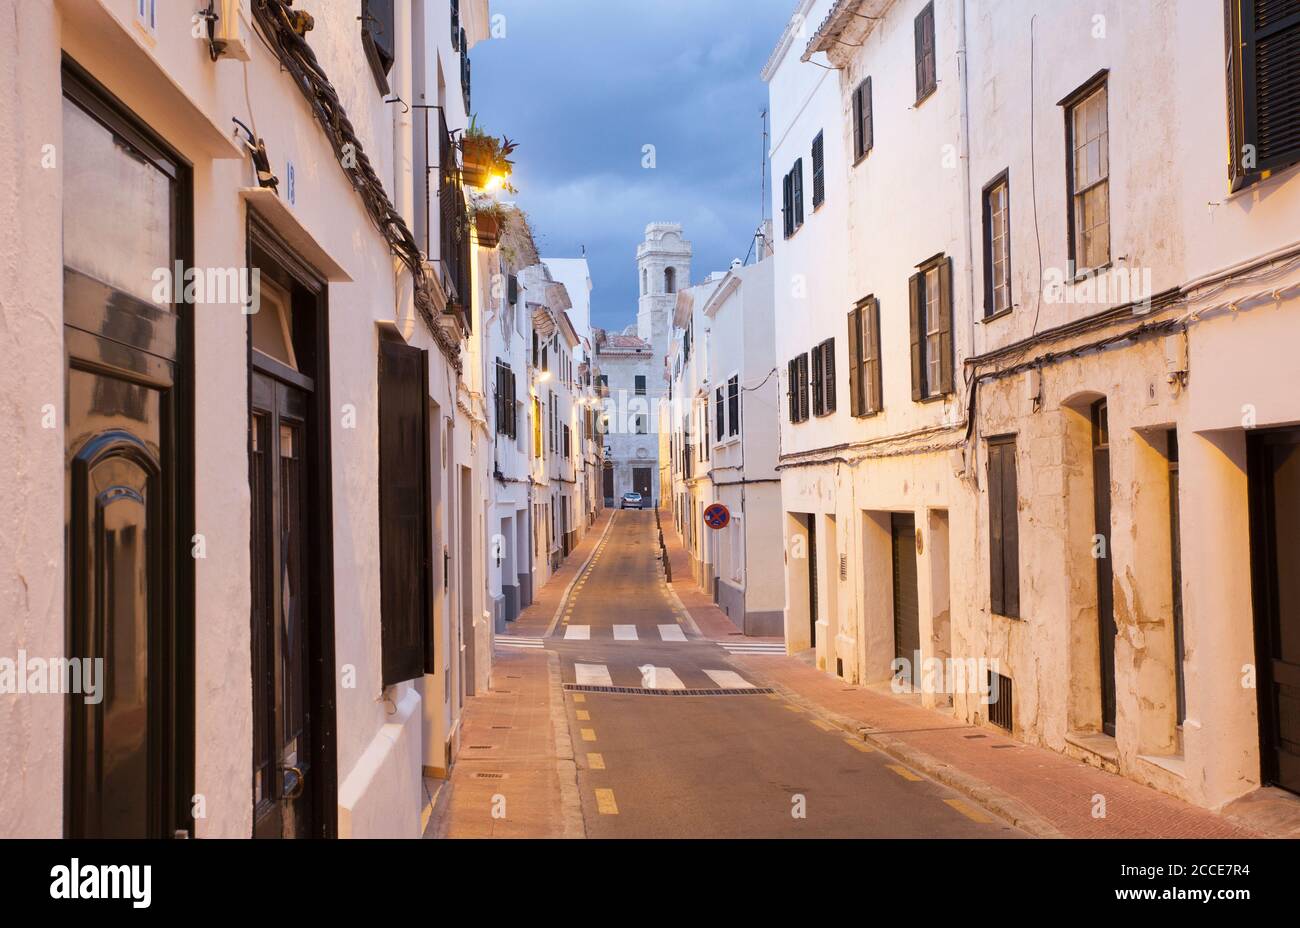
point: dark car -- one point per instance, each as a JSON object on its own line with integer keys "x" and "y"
{"x": 631, "y": 501}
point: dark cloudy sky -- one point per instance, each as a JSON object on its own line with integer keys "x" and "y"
{"x": 582, "y": 85}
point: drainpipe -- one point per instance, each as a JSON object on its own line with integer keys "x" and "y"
{"x": 404, "y": 114}
{"x": 966, "y": 190}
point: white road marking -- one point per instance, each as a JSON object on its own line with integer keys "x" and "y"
{"x": 592, "y": 675}
{"x": 671, "y": 633}
{"x": 625, "y": 633}
{"x": 660, "y": 678}
{"x": 509, "y": 641}
{"x": 752, "y": 647}
{"x": 729, "y": 680}
{"x": 578, "y": 633}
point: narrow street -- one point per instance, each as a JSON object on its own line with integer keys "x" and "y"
{"x": 671, "y": 739}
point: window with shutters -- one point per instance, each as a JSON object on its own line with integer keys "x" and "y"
{"x": 720, "y": 413}
{"x": 568, "y": 453}
{"x": 863, "y": 128}
{"x": 405, "y": 530}
{"x": 733, "y": 405}
{"x": 926, "y": 78}
{"x": 1088, "y": 154}
{"x": 797, "y": 385}
{"x": 640, "y": 384}
{"x": 787, "y": 205}
{"x": 819, "y": 171}
{"x": 997, "y": 247}
{"x": 455, "y": 25}
{"x": 378, "y": 24}
{"x": 823, "y": 378}
{"x": 1004, "y": 528}
{"x": 537, "y": 428}
{"x": 930, "y": 293}
{"x": 796, "y": 192}
{"x": 865, "y": 395}
{"x": 1263, "y": 73}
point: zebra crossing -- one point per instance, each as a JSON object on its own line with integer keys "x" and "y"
{"x": 669, "y": 632}
{"x": 520, "y": 642}
{"x": 655, "y": 677}
{"x": 752, "y": 647}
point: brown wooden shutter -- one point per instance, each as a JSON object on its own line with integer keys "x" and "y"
{"x": 828, "y": 374}
{"x": 819, "y": 172}
{"x": 787, "y": 220}
{"x": 858, "y": 148}
{"x": 792, "y": 388}
{"x": 997, "y": 602}
{"x": 856, "y": 404}
{"x": 404, "y": 538}
{"x": 872, "y": 314}
{"x": 918, "y": 28}
{"x": 1010, "y": 533}
{"x": 946, "y": 355}
{"x": 916, "y": 311}
{"x": 797, "y": 192}
{"x": 803, "y": 387}
{"x": 868, "y": 118}
{"x": 819, "y": 407}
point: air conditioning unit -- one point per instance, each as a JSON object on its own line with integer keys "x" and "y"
{"x": 232, "y": 30}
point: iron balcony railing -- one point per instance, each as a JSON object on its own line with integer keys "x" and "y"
{"x": 452, "y": 226}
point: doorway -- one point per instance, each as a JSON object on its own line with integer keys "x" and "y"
{"x": 641, "y": 483}
{"x": 1106, "y": 630}
{"x": 907, "y": 611}
{"x": 128, "y": 760}
{"x": 810, "y": 527}
{"x": 1274, "y": 463}
{"x": 292, "y": 622}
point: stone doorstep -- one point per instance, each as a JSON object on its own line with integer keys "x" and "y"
{"x": 1273, "y": 812}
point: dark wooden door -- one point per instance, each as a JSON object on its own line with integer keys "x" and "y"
{"x": 127, "y": 758}
{"x": 812, "y": 579}
{"x": 281, "y": 553}
{"x": 641, "y": 483}
{"x": 1275, "y": 538}
{"x": 907, "y": 613}
{"x": 1105, "y": 589}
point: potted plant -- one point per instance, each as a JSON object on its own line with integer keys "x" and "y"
{"x": 489, "y": 220}
{"x": 484, "y": 157}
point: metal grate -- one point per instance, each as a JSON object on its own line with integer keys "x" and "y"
{"x": 1000, "y": 711}
{"x": 490, "y": 776}
{"x": 644, "y": 691}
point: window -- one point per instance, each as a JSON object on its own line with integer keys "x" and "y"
{"x": 505, "y": 399}
{"x": 1004, "y": 528}
{"x": 464, "y": 69}
{"x": 865, "y": 395}
{"x": 997, "y": 247}
{"x": 455, "y": 25}
{"x": 670, "y": 280}
{"x": 720, "y": 414}
{"x": 733, "y": 406}
{"x": 797, "y": 387}
{"x": 792, "y": 192}
{"x": 1089, "y": 165}
{"x": 405, "y": 539}
{"x": 863, "y": 129}
{"x": 931, "y": 329}
{"x": 819, "y": 171}
{"x": 640, "y": 384}
{"x": 537, "y": 428}
{"x": 1263, "y": 41}
{"x": 926, "y": 79}
{"x": 378, "y": 25}
{"x": 645, "y": 278}
{"x": 568, "y": 454}
{"x": 823, "y": 378}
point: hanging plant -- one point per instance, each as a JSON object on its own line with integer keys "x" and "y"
{"x": 485, "y": 159}
{"x": 489, "y": 221}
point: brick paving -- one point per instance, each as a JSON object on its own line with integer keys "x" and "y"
{"x": 1040, "y": 790}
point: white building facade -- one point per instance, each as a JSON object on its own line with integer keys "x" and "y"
{"x": 1062, "y": 443}
{"x": 272, "y": 451}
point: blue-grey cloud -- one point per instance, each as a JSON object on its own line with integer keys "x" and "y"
{"x": 584, "y": 85}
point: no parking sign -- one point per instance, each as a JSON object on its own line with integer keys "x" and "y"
{"x": 717, "y": 516}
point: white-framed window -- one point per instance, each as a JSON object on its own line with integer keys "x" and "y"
{"x": 737, "y": 553}
{"x": 933, "y": 331}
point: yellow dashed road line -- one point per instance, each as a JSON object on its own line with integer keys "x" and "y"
{"x": 975, "y": 815}
{"x": 605, "y": 803}
{"x": 584, "y": 715}
{"x": 589, "y": 734}
{"x": 824, "y": 726}
{"x": 595, "y": 762}
{"x": 859, "y": 746}
{"x": 903, "y": 772}
{"x": 793, "y": 708}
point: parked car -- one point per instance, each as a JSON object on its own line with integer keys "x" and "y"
{"x": 631, "y": 501}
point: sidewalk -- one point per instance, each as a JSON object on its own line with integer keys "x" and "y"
{"x": 515, "y": 776}
{"x": 1039, "y": 790}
